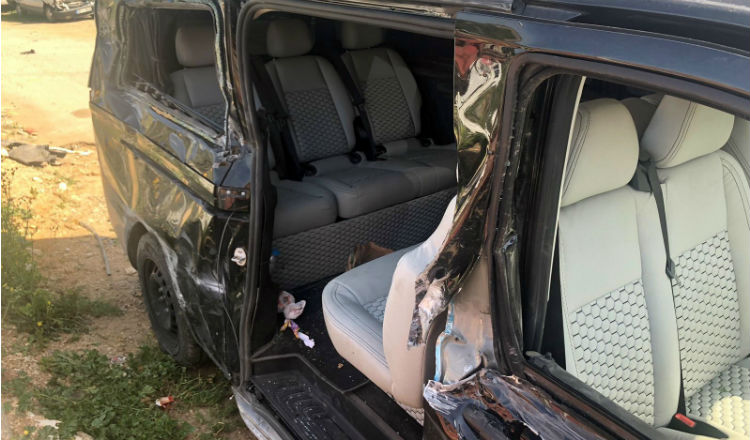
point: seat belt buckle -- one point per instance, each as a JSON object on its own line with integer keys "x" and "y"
{"x": 687, "y": 421}
{"x": 671, "y": 271}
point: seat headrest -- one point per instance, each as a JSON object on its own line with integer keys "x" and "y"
{"x": 288, "y": 38}
{"x": 194, "y": 45}
{"x": 360, "y": 36}
{"x": 682, "y": 130}
{"x": 603, "y": 152}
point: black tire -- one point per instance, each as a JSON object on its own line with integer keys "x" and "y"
{"x": 49, "y": 14}
{"x": 168, "y": 321}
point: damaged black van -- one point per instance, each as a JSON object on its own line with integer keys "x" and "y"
{"x": 440, "y": 219}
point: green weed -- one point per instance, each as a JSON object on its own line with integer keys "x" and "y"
{"x": 26, "y": 304}
{"x": 20, "y": 387}
{"x": 88, "y": 393}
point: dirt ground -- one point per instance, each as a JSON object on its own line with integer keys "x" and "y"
{"x": 48, "y": 87}
{"x": 45, "y": 101}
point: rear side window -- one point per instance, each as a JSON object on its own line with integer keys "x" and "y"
{"x": 171, "y": 56}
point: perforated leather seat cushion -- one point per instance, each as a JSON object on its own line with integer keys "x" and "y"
{"x": 618, "y": 317}
{"x": 725, "y": 401}
{"x": 445, "y": 156}
{"x": 425, "y": 178}
{"x": 411, "y": 149}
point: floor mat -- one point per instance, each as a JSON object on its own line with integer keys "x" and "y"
{"x": 309, "y": 413}
{"x": 323, "y": 357}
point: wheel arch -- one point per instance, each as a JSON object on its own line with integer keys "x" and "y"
{"x": 137, "y": 231}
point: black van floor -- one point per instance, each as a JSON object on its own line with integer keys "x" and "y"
{"x": 308, "y": 412}
{"x": 323, "y": 356}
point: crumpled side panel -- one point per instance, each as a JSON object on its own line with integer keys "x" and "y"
{"x": 160, "y": 170}
{"x": 144, "y": 186}
{"x": 517, "y": 406}
{"x": 479, "y": 83}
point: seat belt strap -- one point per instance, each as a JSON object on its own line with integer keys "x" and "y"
{"x": 647, "y": 178}
{"x": 356, "y": 94}
{"x": 276, "y": 123}
{"x": 653, "y": 180}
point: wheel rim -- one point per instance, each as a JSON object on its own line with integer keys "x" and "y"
{"x": 19, "y": 11}
{"x": 48, "y": 13}
{"x": 158, "y": 294}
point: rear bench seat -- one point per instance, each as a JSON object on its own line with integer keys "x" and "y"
{"x": 321, "y": 122}
{"x": 617, "y": 309}
{"x": 196, "y": 84}
{"x": 628, "y": 333}
{"x": 707, "y": 200}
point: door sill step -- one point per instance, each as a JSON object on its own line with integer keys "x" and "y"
{"x": 307, "y": 411}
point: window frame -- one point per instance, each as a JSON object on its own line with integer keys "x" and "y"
{"x": 166, "y": 105}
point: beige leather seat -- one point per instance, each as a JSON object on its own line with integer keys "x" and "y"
{"x": 618, "y": 318}
{"x": 392, "y": 99}
{"x": 625, "y": 333}
{"x": 196, "y": 84}
{"x": 368, "y": 313}
{"x": 707, "y": 200}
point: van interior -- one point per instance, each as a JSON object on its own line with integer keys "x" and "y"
{"x": 368, "y": 160}
{"x": 361, "y": 162}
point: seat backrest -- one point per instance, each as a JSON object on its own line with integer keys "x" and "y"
{"x": 739, "y": 144}
{"x": 707, "y": 202}
{"x": 618, "y": 319}
{"x": 321, "y": 115}
{"x": 196, "y": 85}
{"x": 406, "y": 365}
{"x": 388, "y": 87}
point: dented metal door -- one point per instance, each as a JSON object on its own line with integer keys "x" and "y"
{"x": 161, "y": 172}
